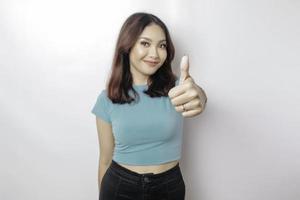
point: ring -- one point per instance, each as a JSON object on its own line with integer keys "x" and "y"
{"x": 183, "y": 108}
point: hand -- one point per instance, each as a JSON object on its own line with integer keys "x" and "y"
{"x": 187, "y": 98}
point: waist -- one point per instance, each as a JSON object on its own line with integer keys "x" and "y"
{"x": 155, "y": 169}
{"x": 136, "y": 178}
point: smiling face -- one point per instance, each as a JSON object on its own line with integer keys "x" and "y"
{"x": 148, "y": 54}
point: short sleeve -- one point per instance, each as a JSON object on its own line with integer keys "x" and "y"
{"x": 102, "y": 107}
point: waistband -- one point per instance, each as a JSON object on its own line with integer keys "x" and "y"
{"x": 122, "y": 171}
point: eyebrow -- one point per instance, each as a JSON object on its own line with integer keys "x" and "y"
{"x": 150, "y": 39}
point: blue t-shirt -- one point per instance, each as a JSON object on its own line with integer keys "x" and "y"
{"x": 148, "y": 132}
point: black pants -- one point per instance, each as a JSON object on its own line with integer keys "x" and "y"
{"x": 120, "y": 183}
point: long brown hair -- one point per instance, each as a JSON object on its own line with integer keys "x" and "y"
{"x": 120, "y": 81}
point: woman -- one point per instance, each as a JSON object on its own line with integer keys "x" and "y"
{"x": 139, "y": 130}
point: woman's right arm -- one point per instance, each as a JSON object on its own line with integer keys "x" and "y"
{"x": 106, "y": 147}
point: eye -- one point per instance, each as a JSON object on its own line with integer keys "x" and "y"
{"x": 164, "y": 46}
{"x": 143, "y": 43}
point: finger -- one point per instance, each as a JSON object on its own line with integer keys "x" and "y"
{"x": 181, "y": 99}
{"x": 191, "y": 105}
{"x": 191, "y": 113}
{"x": 177, "y": 90}
{"x": 184, "y": 69}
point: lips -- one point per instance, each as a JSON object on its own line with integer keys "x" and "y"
{"x": 151, "y": 62}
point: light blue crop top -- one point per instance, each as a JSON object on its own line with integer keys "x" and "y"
{"x": 148, "y": 132}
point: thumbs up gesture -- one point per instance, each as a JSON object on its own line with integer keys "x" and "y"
{"x": 187, "y": 97}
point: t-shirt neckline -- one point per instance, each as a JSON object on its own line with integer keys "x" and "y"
{"x": 143, "y": 86}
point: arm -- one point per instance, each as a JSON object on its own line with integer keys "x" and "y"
{"x": 102, "y": 169}
{"x": 106, "y": 147}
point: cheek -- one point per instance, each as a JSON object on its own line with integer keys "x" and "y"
{"x": 140, "y": 52}
{"x": 136, "y": 53}
{"x": 163, "y": 55}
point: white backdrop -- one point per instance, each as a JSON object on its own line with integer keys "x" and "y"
{"x": 55, "y": 57}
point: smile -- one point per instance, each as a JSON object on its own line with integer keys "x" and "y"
{"x": 151, "y": 63}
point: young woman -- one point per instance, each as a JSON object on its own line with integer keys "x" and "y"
{"x": 139, "y": 127}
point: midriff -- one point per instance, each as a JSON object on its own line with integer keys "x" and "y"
{"x": 151, "y": 168}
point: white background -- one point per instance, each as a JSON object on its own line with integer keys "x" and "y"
{"x": 55, "y": 56}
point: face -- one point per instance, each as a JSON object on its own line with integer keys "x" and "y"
{"x": 148, "y": 53}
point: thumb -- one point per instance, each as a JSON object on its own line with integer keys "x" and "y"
{"x": 184, "y": 69}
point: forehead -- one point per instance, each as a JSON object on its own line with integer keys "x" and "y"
{"x": 153, "y": 32}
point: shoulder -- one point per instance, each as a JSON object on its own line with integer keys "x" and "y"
{"x": 103, "y": 93}
{"x": 104, "y": 96}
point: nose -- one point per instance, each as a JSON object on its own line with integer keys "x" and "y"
{"x": 153, "y": 53}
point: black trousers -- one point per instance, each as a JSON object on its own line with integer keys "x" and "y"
{"x": 120, "y": 183}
